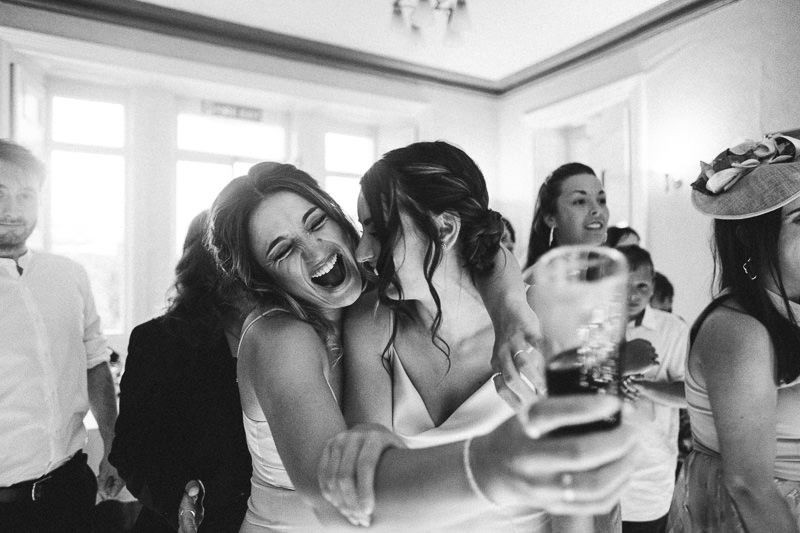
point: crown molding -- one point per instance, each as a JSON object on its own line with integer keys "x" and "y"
{"x": 175, "y": 23}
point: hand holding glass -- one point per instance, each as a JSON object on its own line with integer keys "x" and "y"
{"x": 579, "y": 295}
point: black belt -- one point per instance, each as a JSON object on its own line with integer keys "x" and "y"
{"x": 35, "y": 489}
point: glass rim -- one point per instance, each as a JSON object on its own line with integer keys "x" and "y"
{"x": 602, "y": 255}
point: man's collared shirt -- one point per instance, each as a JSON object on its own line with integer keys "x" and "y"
{"x": 649, "y": 493}
{"x": 51, "y": 336}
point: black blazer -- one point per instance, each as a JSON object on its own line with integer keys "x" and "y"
{"x": 180, "y": 418}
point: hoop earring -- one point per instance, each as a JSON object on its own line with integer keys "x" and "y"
{"x": 550, "y": 240}
{"x": 749, "y": 271}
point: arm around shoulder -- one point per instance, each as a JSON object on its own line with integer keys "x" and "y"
{"x": 367, "y": 391}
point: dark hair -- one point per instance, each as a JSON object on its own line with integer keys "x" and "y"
{"x": 423, "y": 180}
{"x": 546, "y": 205}
{"x": 614, "y": 234}
{"x": 637, "y": 257}
{"x": 21, "y": 157}
{"x": 755, "y": 240}
{"x": 203, "y": 300}
{"x": 229, "y": 237}
{"x": 510, "y": 229}
{"x": 662, "y": 288}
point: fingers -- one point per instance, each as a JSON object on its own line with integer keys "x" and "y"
{"x": 347, "y": 470}
{"x": 630, "y": 391}
{"x": 518, "y": 375}
{"x": 550, "y": 456}
{"x": 587, "y": 493}
{"x": 190, "y": 508}
{"x": 346, "y": 477}
{"x": 573, "y": 410}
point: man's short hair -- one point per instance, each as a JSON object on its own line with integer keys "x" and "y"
{"x": 21, "y": 157}
{"x": 637, "y": 257}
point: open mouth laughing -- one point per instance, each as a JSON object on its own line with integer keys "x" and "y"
{"x": 330, "y": 274}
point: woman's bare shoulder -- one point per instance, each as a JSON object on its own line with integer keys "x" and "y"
{"x": 730, "y": 335}
{"x": 274, "y": 330}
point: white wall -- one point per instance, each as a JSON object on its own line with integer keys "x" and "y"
{"x": 732, "y": 73}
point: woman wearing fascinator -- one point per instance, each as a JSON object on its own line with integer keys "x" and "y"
{"x": 743, "y": 371}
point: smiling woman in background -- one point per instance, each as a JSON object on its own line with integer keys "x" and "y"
{"x": 570, "y": 209}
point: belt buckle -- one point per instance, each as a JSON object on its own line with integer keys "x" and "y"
{"x": 36, "y": 488}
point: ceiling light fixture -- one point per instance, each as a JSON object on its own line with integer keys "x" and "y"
{"x": 431, "y": 16}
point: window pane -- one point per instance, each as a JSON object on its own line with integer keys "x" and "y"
{"x": 197, "y": 185}
{"x": 345, "y": 191}
{"x": 88, "y": 122}
{"x": 348, "y": 154}
{"x": 87, "y": 223}
{"x": 219, "y": 135}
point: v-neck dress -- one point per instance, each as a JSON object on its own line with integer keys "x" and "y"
{"x": 483, "y": 411}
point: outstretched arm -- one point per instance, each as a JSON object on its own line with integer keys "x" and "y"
{"x": 514, "y": 465}
{"x": 282, "y": 364}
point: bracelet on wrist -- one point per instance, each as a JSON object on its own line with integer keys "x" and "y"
{"x": 473, "y": 483}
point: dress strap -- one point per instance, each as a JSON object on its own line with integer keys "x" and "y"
{"x": 269, "y": 312}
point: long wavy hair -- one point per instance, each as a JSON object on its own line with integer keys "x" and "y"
{"x": 755, "y": 240}
{"x": 229, "y": 238}
{"x": 203, "y": 302}
{"x": 547, "y": 205}
{"x": 424, "y": 180}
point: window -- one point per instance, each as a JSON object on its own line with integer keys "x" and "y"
{"x": 347, "y": 158}
{"x": 212, "y": 151}
{"x": 85, "y": 218}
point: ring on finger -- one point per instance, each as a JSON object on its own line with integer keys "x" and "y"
{"x": 180, "y": 514}
{"x": 529, "y": 349}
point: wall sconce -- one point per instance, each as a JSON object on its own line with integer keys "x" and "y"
{"x": 671, "y": 183}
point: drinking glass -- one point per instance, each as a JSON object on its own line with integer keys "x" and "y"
{"x": 579, "y": 295}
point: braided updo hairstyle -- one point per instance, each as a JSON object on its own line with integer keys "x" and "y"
{"x": 424, "y": 180}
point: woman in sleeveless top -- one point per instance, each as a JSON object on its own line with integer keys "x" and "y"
{"x": 742, "y": 382}
{"x": 292, "y": 249}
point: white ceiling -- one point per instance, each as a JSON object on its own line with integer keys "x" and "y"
{"x": 502, "y": 37}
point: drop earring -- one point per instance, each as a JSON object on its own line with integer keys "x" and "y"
{"x": 749, "y": 271}
{"x": 552, "y": 234}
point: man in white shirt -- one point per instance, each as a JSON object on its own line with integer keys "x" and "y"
{"x": 54, "y": 367}
{"x": 658, "y": 393}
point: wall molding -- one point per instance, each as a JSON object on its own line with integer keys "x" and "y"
{"x": 166, "y": 21}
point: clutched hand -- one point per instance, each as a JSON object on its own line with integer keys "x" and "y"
{"x": 637, "y": 357}
{"x": 109, "y": 482}
{"x": 346, "y": 472}
{"x": 525, "y": 462}
{"x": 190, "y": 509}
{"x": 517, "y": 364}
{"x": 630, "y": 388}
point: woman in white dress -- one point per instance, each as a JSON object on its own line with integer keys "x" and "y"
{"x": 292, "y": 249}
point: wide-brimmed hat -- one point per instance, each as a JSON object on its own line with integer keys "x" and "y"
{"x": 749, "y": 179}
